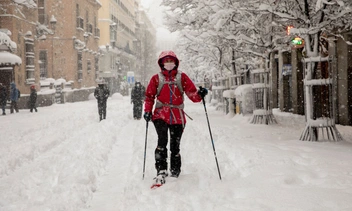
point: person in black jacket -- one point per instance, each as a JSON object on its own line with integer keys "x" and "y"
{"x": 101, "y": 93}
{"x": 33, "y": 99}
{"x": 3, "y": 98}
{"x": 137, "y": 98}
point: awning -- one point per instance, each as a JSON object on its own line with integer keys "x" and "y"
{"x": 7, "y": 59}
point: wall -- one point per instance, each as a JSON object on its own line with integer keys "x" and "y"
{"x": 48, "y": 99}
{"x": 77, "y": 95}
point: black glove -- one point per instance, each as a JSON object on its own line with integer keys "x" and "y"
{"x": 147, "y": 116}
{"x": 202, "y": 91}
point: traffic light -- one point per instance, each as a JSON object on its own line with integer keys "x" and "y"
{"x": 297, "y": 42}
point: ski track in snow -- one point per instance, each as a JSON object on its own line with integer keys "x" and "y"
{"x": 86, "y": 165}
{"x": 20, "y": 149}
{"x": 46, "y": 155}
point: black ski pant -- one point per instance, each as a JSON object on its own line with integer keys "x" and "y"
{"x": 102, "y": 109}
{"x": 3, "y": 106}
{"x": 13, "y": 106}
{"x": 32, "y": 106}
{"x": 137, "y": 109}
{"x": 176, "y": 131}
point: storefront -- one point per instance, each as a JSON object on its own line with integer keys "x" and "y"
{"x": 8, "y": 60}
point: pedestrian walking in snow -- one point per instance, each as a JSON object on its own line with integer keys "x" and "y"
{"x": 3, "y": 98}
{"x": 14, "y": 98}
{"x": 165, "y": 91}
{"x": 137, "y": 98}
{"x": 101, "y": 93}
{"x": 33, "y": 99}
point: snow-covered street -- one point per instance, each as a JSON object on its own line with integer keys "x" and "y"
{"x": 63, "y": 158}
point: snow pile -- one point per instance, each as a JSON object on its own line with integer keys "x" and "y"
{"x": 229, "y": 94}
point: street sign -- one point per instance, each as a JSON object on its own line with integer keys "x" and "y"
{"x": 130, "y": 77}
{"x": 287, "y": 69}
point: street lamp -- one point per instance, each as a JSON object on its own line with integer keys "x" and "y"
{"x": 53, "y": 22}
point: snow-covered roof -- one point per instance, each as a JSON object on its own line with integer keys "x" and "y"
{"x": 7, "y": 58}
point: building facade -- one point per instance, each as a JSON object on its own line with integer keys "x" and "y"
{"x": 123, "y": 43}
{"x": 57, "y": 42}
{"x": 117, "y": 21}
{"x": 148, "y": 48}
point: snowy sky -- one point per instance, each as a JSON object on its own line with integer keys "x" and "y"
{"x": 155, "y": 12}
{"x": 63, "y": 158}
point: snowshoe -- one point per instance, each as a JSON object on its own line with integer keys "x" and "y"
{"x": 175, "y": 173}
{"x": 159, "y": 180}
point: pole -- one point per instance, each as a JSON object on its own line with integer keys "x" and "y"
{"x": 211, "y": 137}
{"x": 145, "y": 148}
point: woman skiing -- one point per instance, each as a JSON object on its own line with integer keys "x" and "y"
{"x": 165, "y": 90}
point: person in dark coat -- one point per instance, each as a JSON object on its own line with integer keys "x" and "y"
{"x": 101, "y": 93}
{"x": 137, "y": 98}
{"x": 13, "y": 97}
{"x": 3, "y": 98}
{"x": 33, "y": 99}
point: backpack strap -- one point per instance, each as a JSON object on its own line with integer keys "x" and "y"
{"x": 162, "y": 82}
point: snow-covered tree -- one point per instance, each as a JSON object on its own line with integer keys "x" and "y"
{"x": 258, "y": 27}
{"x": 316, "y": 21}
{"x": 214, "y": 29}
{"x": 199, "y": 41}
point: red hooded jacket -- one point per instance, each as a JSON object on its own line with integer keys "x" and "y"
{"x": 169, "y": 93}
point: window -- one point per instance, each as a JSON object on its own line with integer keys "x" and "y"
{"x": 87, "y": 21}
{"x": 96, "y": 29}
{"x": 89, "y": 66}
{"x": 97, "y": 32}
{"x": 77, "y": 10}
{"x": 79, "y": 23}
{"x": 43, "y": 64}
{"x": 95, "y": 22}
{"x": 30, "y": 67}
{"x": 96, "y": 66}
{"x": 79, "y": 66}
{"x": 41, "y": 12}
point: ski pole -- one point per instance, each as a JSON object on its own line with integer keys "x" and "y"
{"x": 145, "y": 148}
{"x": 211, "y": 137}
{"x": 188, "y": 115}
